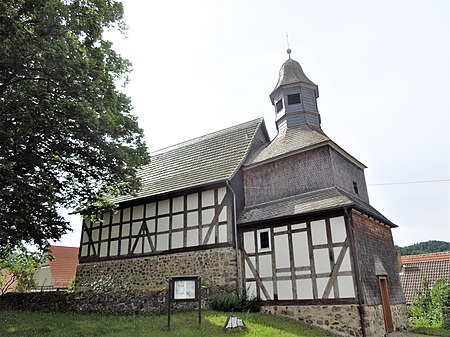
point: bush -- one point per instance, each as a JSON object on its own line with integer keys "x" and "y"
{"x": 236, "y": 303}
{"x": 429, "y": 307}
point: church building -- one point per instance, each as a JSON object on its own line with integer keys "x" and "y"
{"x": 286, "y": 219}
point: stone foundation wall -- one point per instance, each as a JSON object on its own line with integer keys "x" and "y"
{"x": 216, "y": 267}
{"x": 343, "y": 320}
{"x": 375, "y": 319}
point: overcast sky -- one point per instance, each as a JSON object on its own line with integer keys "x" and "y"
{"x": 382, "y": 67}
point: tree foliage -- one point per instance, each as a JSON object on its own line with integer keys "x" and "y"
{"x": 17, "y": 270}
{"x": 429, "y": 306}
{"x": 67, "y": 137}
{"x": 432, "y": 246}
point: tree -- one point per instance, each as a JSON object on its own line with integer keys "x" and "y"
{"x": 18, "y": 269}
{"x": 67, "y": 137}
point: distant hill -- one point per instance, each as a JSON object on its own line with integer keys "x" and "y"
{"x": 432, "y": 246}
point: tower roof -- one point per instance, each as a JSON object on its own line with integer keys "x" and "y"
{"x": 291, "y": 72}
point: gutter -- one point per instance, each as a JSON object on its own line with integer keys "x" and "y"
{"x": 238, "y": 254}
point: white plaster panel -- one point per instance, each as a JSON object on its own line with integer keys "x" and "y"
{"x": 192, "y": 201}
{"x": 138, "y": 212}
{"x": 223, "y": 233}
{"x": 106, "y": 218}
{"x": 125, "y": 229}
{"x": 114, "y": 248}
{"x": 282, "y": 259}
{"x": 162, "y": 242}
{"x": 135, "y": 228}
{"x": 147, "y": 247}
{"x": 192, "y": 219}
{"x": 338, "y": 232}
{"x": 298, "y": 226}
{"x": 124, "y": 247}
{"x": 208, "y": 198}
{"x": 94, "y": 234}
{"x": 84, "y": 250}
{"x": 177, "y": 221}
{"x": 265, "y": 265}
{"x": 221, "y": 194}
{"x": 248, "y": 271}
{"x": 150, "y": 209}
{"x": 301, "y": 250}
{"x": 87, "y": 222}
{"x": 319, "y": 232}
{"x": 251, "y": 289}
{"x": 177, "y": 240}
{"x": 115, "y": 231}
{"x": 207, "y": 216}
{"x": 85, "y": 237}
{"x": 211, "y": 237}
{"x": 269, "y": 287}
{"x": 105, "y": 233}
{"x": 103, "y": 249}
{"x": 151, "y": 225}
{"x": 322, "y": 260}
{"x": 304, "y": 289}
{"x": 249, "y": 242}
{"x": 284, "y": 290}
{"x": 280, "y": 229}
{"x": 223, "y": 214}
{"x": 321, "y": 285}
{"x": 116, "y": 217}
{"x": 346, "y": 265}
{"x": 346, "y": 287}
{"x": 138, "y": 249}
{"x": 126, "y": 214}
{"x": 163, "y": 207}
{"x": 178, "y": 204}
{"x": 192, "y": 237}
{"x": 163, "y": 224}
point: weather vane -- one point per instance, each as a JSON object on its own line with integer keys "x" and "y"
{"x": 288, "y": 49}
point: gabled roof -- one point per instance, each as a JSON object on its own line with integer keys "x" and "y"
{"x": 308, "y": 203}
{"x": 295, "y": 140}
{"x": 418, "y": 267}
{"x": 209, "y": 159}
{"x": 63, "y": 266}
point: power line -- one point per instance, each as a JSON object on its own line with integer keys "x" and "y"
{"x": 411, "y": 182}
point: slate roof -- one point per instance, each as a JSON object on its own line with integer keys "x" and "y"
{"x": 63, "y": 266}
{"x": 203, "y": 160}
{"x": 417, "y": 267}
{"x": 291, "y": 72}
{"x": 307, "y": 203}
{"x": 294, "y": 140}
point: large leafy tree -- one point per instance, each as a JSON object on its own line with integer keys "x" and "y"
{"x": 67, "y": 138}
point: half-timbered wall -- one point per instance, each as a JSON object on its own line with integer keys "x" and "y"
{"x": 301, "y": 261}
{"x": 190, "y": 220}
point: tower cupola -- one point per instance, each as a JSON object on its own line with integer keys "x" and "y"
{"x": 295, "y": 97}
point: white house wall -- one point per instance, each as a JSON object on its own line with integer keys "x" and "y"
{"x": 303, "y": 261}
{"x": 191, "y": 220}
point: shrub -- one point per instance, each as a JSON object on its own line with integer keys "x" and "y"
{"x": 236, "y": 303}
{"x": 429, "y": 307}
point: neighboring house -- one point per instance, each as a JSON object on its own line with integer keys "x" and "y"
{"x": 59, "y": 272}
{"x": 415, "y": 268}
{"x": 288, "y": 219}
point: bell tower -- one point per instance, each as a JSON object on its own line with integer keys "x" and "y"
{"x": 295, "y": 97}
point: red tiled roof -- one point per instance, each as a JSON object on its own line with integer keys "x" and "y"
{"x": 63, "y": 266}
{"x": 424, "y": 266}
{"x": 444, "y": 256}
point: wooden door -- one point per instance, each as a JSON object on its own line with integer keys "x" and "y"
{"x": 385, "y": 302}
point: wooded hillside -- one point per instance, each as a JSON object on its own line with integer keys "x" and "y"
{"x": 432, "y": 246}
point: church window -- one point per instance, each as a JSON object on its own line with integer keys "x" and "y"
{"x": 355, "y": 187}
{"x": 279, "y": 105}
{"x": 264, "y": 240}
{"x": 293, "y": 99}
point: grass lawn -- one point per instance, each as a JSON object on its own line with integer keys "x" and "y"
{"x": 431, "y": 331}
{"x": 27, "y": 324}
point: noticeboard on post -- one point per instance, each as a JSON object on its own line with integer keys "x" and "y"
{"x": 184, "y": 288}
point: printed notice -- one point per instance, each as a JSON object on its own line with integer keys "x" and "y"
{"x": 184, "y": 290}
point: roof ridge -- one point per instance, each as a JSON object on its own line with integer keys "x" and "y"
{"x": 203, "y": 137}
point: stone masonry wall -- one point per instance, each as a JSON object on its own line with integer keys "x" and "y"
{"x": 216, "y": 267}
{"x": 343, "y": 320}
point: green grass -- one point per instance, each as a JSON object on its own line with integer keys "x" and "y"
{"x": 430, "y": 331}
{"x": 27, "y": 324}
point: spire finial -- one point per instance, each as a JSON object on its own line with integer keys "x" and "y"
{"x": 288, "y": 49}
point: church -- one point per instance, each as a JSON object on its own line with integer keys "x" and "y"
{"x": 286, "y": 219}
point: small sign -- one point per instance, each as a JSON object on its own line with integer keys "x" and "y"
{"x": 234, "y": 323}
{"x": 184, "y": 290}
